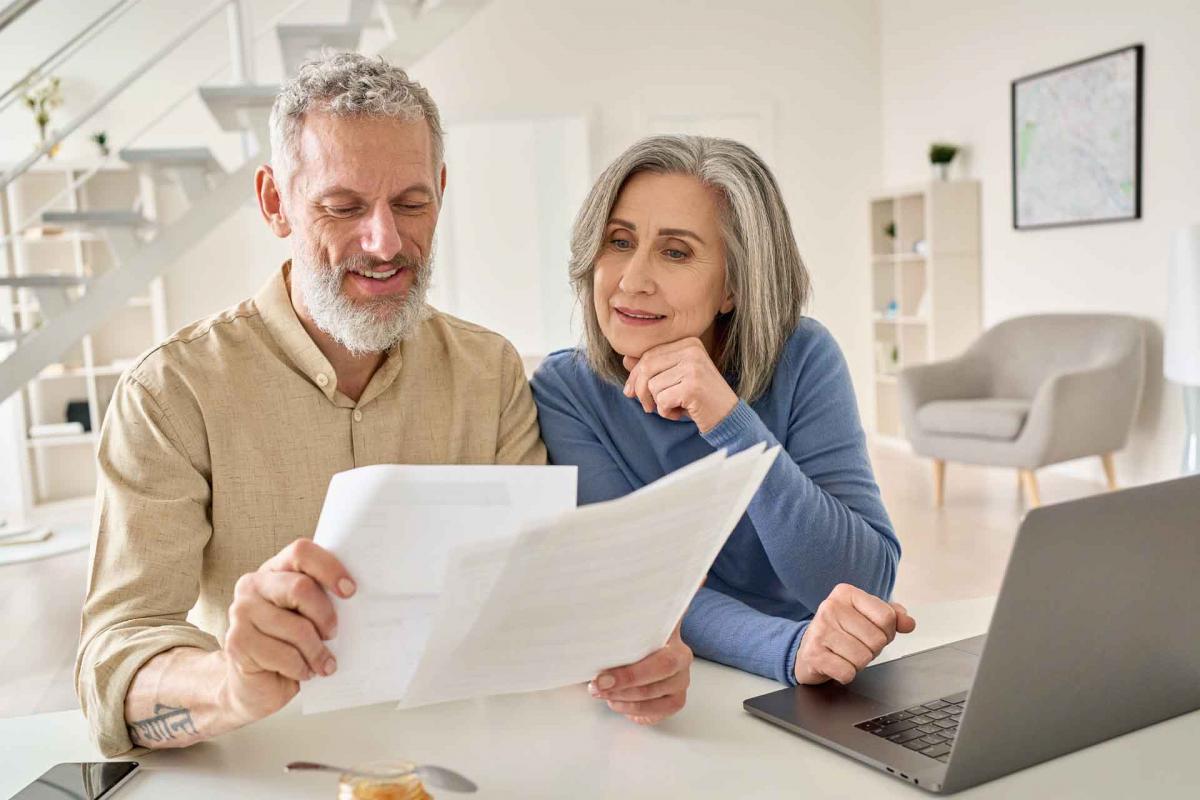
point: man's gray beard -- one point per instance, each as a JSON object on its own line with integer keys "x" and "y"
{"x": 371, "y": 325}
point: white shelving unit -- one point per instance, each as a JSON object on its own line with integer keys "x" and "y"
{"x": 925, "y": 283}
{"x": 60, "y": 470}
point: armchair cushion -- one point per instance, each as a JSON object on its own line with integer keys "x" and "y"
{"x": 980, "y": 418}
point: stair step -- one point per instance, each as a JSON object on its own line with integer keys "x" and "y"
{"x": 43, "y": 280}
{"x": 299, "y": 43}
{"x": 239, "y": 108}
{"x": 95, "y": 219}
{"x": 200, "y": 157}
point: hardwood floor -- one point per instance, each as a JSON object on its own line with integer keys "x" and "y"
{"x": 954, "y": 552}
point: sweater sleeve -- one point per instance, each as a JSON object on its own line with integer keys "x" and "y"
{"x": 818, "y": 513}
{"x": 716, "y": 626}
{"x": 570, "y": 440}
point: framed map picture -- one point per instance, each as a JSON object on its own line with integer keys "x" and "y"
{"x": 1077, "y": 142}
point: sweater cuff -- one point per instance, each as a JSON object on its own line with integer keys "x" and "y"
{"x": 740, "y": 429}
{"x": 789, "y": 658}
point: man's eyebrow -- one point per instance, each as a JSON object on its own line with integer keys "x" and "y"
{"x": 339, "y": 190}
{"x": 335, "y": 190}
{"x": 622, "y": 222}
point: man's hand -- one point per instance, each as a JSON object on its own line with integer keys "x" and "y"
{"x": 849, "y": 630}
{"x": 652, "y": 689}
{"x": 680, "y": 378}
{"x": 279, "y": 621}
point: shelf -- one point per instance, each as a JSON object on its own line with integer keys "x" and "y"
{"x": 66, "y": 237}
{"x": 61, "y": 441}
{"x": 31, "y": 307}
{"x": 83, "y": 372}
{"x": 897, "y": 258}
{"x": 886, "y": 378}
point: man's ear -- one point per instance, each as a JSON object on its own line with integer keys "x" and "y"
{"x": 442, "y": 183}
{"x": 270, "y": 203}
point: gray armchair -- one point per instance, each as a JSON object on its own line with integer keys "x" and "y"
{"x": 1030, "y": 392}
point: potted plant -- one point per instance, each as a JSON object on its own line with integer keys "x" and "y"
{"x": 101, "y": 140}
{"x": 41, "y": 100}
{"x": 940, "y": 156}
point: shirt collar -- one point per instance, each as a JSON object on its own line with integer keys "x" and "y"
{"x": 274, "y": 304}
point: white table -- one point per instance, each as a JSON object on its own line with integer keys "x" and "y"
{"x": 563, "y": 744}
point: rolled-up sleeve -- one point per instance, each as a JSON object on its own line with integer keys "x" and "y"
{"x": 151, "y": 526}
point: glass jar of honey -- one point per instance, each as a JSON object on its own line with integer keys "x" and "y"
{"x": 403, "y": 787}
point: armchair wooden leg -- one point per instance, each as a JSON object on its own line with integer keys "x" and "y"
{"x": 1110, "y": 471}
{"x": 1029, "y": 482}
{"x": 939, "y": 482}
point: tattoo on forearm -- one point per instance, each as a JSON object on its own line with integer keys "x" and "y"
{"x": 166, "y": 722}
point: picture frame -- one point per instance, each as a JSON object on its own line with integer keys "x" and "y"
{"x": 1077, "y": 142}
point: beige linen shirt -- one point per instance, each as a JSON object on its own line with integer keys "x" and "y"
{"x": 217, "y": 451}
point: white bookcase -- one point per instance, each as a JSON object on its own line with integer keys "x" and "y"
{"x": 926, "y": 290}
{"x": 60, "y": 470}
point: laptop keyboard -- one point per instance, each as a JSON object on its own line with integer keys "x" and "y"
{"x": 928, "y": 729}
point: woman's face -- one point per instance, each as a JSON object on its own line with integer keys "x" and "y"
{"x": 660, "y": 273}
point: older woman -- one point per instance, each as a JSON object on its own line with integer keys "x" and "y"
{"x": 692, "y": 291}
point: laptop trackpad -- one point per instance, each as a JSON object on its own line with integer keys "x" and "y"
{"x": 920, "y": 677}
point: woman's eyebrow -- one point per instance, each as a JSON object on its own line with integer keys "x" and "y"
{"x": 682, "y": 233}
{"x": 624, "y": 223}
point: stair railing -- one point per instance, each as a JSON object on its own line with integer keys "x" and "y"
{"x": 35, "y": 216}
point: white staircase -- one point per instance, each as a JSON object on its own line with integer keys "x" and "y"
{"x": 73, "y": 305}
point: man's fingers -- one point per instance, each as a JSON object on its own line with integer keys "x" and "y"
{"x": 303, "y": 555}
{"x": 905, "y": 623}
{"x": 291, "y": 628}
{"x": 300, "y": 593}
{"x": 679, "y": 682}
{"x": 659, "y": 665}
{"x": 254, "y": 651}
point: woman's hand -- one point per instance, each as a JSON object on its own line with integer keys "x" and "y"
{"x": 850, "y": 629}
{"x": 652, "y": 689}
{"x": 680, "y": 378}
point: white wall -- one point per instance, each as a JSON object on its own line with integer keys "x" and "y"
{"x": 946, "y": 72}
{"x": 807, "y": 69}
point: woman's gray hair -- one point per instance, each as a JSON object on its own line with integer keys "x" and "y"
{"x": 347, "y": 85}
{"x": 763, "y": 269}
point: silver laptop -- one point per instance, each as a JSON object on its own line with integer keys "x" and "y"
{"x": 1096, "y": 633}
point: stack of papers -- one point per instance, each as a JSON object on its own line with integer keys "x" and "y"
{"x": 476, "y": 581}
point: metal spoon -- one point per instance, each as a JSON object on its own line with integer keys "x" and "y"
{"x": 437, "y": 777}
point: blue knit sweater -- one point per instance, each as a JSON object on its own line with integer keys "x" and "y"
{"x": 817, "y": 520}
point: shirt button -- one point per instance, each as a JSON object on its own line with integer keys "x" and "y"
{"x": 357, "y": 415}
{"x": 322, "y": 380}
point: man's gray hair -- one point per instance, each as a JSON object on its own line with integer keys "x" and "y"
{"x": 763, "y": 269}
{"x": 347, "y": 85}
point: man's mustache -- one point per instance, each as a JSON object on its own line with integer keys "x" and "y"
{"x": 359, "y": 263}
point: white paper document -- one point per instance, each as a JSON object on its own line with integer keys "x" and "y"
{"x": 536, "y": 603}
{"x": 393, "y": 527}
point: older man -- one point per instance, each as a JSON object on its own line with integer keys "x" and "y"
{"x": 219, "y": 443}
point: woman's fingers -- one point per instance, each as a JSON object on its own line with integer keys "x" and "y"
{"x": 849, "y": 648}
{"x": 679, "y": 682}
{"x": 659, "y": 665}
{"x": 651, "y": 710}
{"x": 863, "y": 629}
